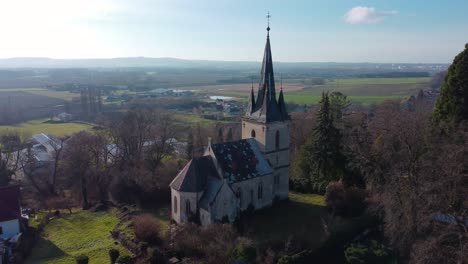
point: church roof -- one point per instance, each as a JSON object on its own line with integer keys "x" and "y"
{"x": 192, "y": 178}
{"x": 266, "y": 108}
{"x": 241, "y": 160}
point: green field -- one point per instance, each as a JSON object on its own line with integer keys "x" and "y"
{"x": 363, "y": 91}
{"x": 79, "y": 233}
{"x": 300, "y": 217}
{"x": 38, "y": 126}
{"x": 45, "y": 92}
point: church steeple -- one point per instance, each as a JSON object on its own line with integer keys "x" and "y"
{"x": 266, "y": 108}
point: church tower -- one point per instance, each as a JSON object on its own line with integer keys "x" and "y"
{"x": 267, "y": 120}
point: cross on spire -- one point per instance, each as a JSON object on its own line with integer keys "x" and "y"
{"x": 268, "y": 18}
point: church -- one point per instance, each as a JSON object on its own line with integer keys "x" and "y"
{"x": 252, "y": 172}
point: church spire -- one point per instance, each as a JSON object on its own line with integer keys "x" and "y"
{"x": 266, "y": 108}
{"x": 251, "y": 104}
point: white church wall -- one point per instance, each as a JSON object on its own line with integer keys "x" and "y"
{"x": 184, "y": 201}
{"x": 249, "y": 192}
{"x": 225, "y": 204}
{"x": 205, "y": 217}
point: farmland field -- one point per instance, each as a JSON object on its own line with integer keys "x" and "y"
{"x": 359, "y": 90}
{"x": 83, "y": 232}
{"x": 38, "y": 126}
{"x": 64, "y": 95}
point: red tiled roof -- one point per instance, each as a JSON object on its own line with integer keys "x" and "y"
{"x": 10, "y": 203}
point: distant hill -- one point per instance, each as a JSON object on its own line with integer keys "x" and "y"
{"x": 37, "y": 62}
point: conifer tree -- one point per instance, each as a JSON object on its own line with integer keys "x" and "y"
{"x": 452, "y": 104}
{"x": 327, "y": 144}
{"x": 321, "y": 158}
{"x": 190, "y": 144}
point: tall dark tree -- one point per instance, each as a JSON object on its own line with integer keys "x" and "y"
{"x": 327, "y": 144}
{"x": 190, "y": 144}
{"x": 321, "y": 158}
{"x": 452, "y": 105}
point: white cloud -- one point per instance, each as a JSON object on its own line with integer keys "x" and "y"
{"x": 366, "y": 15}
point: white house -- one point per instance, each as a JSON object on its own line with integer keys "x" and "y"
{"x": 10, "y": 211}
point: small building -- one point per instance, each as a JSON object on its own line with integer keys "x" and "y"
{"x": 43, "y": 148}
{"x": 65, "y": 117}
{"x": 10, "y": 211}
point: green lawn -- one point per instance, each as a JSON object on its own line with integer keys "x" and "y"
{"x": 80, "y": 233}
{"x": 38, "y": 126}
{"x": 195, "y": 119}
{"x": 300, "y": 217}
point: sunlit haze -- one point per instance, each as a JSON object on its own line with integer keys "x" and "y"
{"x": 302, "y": 30}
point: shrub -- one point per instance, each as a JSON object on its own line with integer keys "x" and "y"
{"x": 301, "y": 184}
{"x": 299, "y": 258}
{"x": 335, "y": 197}
{"x": 213, "y": 243}
{"x": 369, "y": 252}
{"x": 344, "y": 201}
{"x": 156, "y": 256}
{"x": 82, "y": 259}
{"x": 355, "y": 199}
{"x": 125, "y": 260}
{"x": 245, "y": 250}
{"x": 114, "y": 255}
{"x": 146, "y": 228}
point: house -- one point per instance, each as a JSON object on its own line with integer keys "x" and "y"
{"x": 65, "y": 117}
{"x": 10, "y": 211}
{"x": 248, "y": 173}
{"x": 43, "y": 148}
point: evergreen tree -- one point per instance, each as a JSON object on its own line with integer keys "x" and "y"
{"x": 338, "y": 104}
{"x": 321, "y": 158}
{"x": 452, "y": 105}
{"x": 190, "y": 144}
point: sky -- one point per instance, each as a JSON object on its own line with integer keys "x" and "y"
{"x": 405, "y": 31}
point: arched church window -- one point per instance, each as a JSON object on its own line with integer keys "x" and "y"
{"x": 276, "y": 179}
{"x": 239, "y": 195}
{"x": 252, "y": 134}
{"x": 260, "y": 191}
{"x": 175, "y": 204}
{"x": 277, "y": 139}
{"x": 187, "y": 207}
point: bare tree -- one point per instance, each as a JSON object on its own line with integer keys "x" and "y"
{"x": 86, "y": 165}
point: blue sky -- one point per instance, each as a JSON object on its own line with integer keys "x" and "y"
{"x": 302, "y": 30}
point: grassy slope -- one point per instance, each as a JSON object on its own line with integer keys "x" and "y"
{"x": 299, "y": 217}
{"x": 80, "y": 233}
{"x": 38, "y": 126}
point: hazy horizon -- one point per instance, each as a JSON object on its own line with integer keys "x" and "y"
{"x": 302, "y": 31}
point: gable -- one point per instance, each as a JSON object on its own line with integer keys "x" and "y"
{"x": 192, "y": 178}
